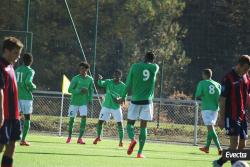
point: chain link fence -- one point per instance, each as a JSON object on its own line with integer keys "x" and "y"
{"x": 174, "y": 120}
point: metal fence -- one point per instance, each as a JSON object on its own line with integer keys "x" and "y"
{"x": 174, "y": 120}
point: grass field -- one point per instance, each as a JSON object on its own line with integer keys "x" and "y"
{"x": 52, "y": 151}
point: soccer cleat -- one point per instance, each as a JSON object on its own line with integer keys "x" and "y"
{"x": 121, "y": 144}
{"x": 140, "y": 156}
{"x": 204, "y": 149}
{"x": 96, "y": 140}
{"x": 219, "y": 151}
{"x": 68, "y": 140}
{"x": 24, "y": 143}
{"x": 80, "y": 141}
{"x": 131, "y": 147}
{"x": 215, "y": 164}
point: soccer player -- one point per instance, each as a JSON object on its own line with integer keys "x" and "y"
{"x": 141, "y": 83}
{"x": 10, "y": 128}
{"x": 24, "y": 75}
{"x": 81, "y": 88}
{"x": 209, "y": 92}
{"x": 111, "y": 105}
{"x": 233, "y": 105}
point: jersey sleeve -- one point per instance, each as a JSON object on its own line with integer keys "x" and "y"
{"x": 103, "y": 83}
{"x": 2, "y": 83}
{"x": 198, "y": 92}
{"x": 72, "y": 87}
{"x": 29, "y": 81}
{"x": 225, "y": 87}
{"x": 128, "y": 83}
{"x": 91, "y": 91}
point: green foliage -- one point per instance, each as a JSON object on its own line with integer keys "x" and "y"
{"x": 127, "y": 29}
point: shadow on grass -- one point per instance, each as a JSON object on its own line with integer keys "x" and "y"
{"x": 110, "y": 156}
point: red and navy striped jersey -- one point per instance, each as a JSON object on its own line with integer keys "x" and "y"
{"x": 235, "y": 89}
{"x": 9, "y": 86}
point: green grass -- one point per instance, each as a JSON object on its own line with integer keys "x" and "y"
{"x": 52, "y": 151}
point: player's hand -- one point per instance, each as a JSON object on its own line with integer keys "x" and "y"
{"x": 84, "y": 90}
{"x": 120, "y": 100}
{"x": 100, "y": 77}
{"x": 221, "y": 123}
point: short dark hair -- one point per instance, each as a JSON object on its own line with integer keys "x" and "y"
{"x": 244, "y": 59}
{"x": 118, "y": 71}
{"x": 208, "y": 72}
{"x": 27, "y": 59}
{"x": 84, "y": 64}
{"x": 12, "y": 43}
{"x": 150, "y": 56}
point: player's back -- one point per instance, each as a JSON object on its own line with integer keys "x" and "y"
{"x": 143, "y": 76}
{"x": 211, "y": 91}
{"x": 22, "y": 74}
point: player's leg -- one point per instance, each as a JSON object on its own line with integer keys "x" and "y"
{"x": 216, "y": 140}
{"x": 99, "y": 128}
{"x": 7, "y": 159}
{"x": 26, "y": 127}
{"x": 103, "y": 116}
{"x": 83, "y": 114}
{"x": 233, "y": 130}
{"x": 117, "y": 114}
{"x": 146, "y": 115}
{"x": 12, "y": 133}
{"x": 205, "y": 117}
{"x": 142, "y": 137}
{"x": 72, "y": 114}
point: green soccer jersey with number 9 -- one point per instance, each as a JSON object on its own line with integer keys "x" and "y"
{"x": 141, "y": 81}
{"x": 209, "y": 91}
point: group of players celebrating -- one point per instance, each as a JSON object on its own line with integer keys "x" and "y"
{"x": 231, "y": 98}
{"x": 140, "y": 82}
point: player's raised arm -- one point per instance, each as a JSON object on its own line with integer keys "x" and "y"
{"x": 101, "y": 82}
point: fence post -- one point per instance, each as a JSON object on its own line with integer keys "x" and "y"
{"x": 61, "y": 114}
{"x": 196, "y": 122}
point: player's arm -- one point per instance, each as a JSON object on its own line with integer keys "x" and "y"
{"x": 225, "y": 91}
{"x": 91, "y": 92}
{"x": 101, "y": 82}
{"x": 29, "y": 81}
{"x": 1, "y": 99}
{"x": 72, "y": 87}
{"x": 128, "y": 83}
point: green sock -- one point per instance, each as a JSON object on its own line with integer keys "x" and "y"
{"x": 142, "y": 139}
{"x": 209, "y": 138}
{"x": 82, "y": 127}
{"x": 99, "y": 130}
{"x": 130, "y": 130}
{"x": 71, "y": 124}
{"x": 26, "y": 128}
{"x": 215, "y": 138}
{"x": 120, "y": 132}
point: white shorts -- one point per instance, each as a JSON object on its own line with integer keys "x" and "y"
{"x": 106, "y": 114}
{"x": 73, "y": 110}
{"x": 209, "y": 117}
{"x": 142, "y": 112}
{"x": 25, "y": 106}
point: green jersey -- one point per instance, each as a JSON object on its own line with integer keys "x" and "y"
{"x": 113, "y": 91}
{"x": 76, "y": 85}
{"x": 141, "y": 81}
{"x": 209, "y": 92}
{"x": 24, "y": 75}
